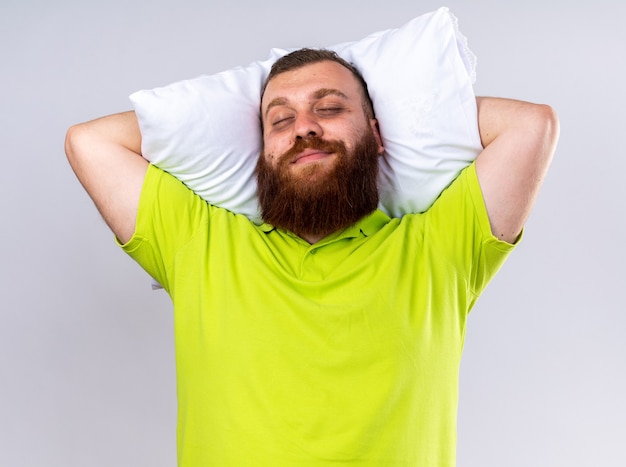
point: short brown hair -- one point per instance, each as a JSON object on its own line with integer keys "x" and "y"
{"x": 306, "y": 56}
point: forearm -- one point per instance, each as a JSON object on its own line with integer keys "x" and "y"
{"x": 519, "y": 140}
{"x": 105, "y": 155}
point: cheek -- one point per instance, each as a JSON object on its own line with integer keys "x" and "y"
{"x": 352, "y": 139}
{"x": 270, "y": 155}
{"x": 274, "y": 147}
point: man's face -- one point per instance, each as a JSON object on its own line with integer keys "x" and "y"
{"x": 318, "y": 170}
{"x": 322, "y": 99}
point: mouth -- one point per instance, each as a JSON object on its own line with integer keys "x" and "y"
{"x": 310, "y": 155}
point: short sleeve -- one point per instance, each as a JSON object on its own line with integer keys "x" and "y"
{"x": 169, "y": 215}
{"x": 459, "y": 228}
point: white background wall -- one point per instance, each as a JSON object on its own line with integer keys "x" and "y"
{"x": 86, "y": 349}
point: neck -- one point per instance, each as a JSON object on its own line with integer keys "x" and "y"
{"x": 311, "y": 238}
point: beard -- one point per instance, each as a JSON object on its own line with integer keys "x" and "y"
{"x": 316, "y": 199}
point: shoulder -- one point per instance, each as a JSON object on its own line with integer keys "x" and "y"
{"x": 458, "y": 218}
{"x": 462, "y": 197}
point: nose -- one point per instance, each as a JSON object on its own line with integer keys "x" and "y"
{"x": 306, "y": 125}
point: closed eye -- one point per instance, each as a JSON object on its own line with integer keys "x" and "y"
{"x": 330, "y": 110}
{"x": 282, "y": 122}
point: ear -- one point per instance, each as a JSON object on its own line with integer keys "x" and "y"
{"x": 379, "y": 140}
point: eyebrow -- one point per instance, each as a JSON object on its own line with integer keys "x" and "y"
{"x": 275, "y": 103}
{"x": 319, "y": 94}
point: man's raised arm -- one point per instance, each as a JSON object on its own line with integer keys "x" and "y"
{"x": 105, "y": 154}
{"x": 519, "y": 140}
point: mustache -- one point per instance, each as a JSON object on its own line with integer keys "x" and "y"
{"x": 312, "y": 142}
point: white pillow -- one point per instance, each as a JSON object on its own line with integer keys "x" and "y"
{"x": 206, "y": 131}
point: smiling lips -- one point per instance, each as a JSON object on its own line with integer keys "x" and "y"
{"x": 310, "y": 155}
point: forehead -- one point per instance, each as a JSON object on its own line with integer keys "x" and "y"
{"x": 303, "y": 83}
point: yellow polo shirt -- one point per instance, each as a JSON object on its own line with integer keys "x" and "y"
{"x": 341, "y": 353}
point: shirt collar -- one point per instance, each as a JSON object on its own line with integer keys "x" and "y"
{"x": 365, "y": 227}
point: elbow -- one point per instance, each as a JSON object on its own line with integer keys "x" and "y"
{"x": 555, "y": 128}
{"x": 546, "y": 127}
{"x": 78, "y": 141}
{"x": 72, "y": 138}
{"x": 549, "y": 123}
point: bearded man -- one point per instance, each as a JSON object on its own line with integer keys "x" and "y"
{"x": 318, "y": 185}
{"x": 331, "y": 334}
